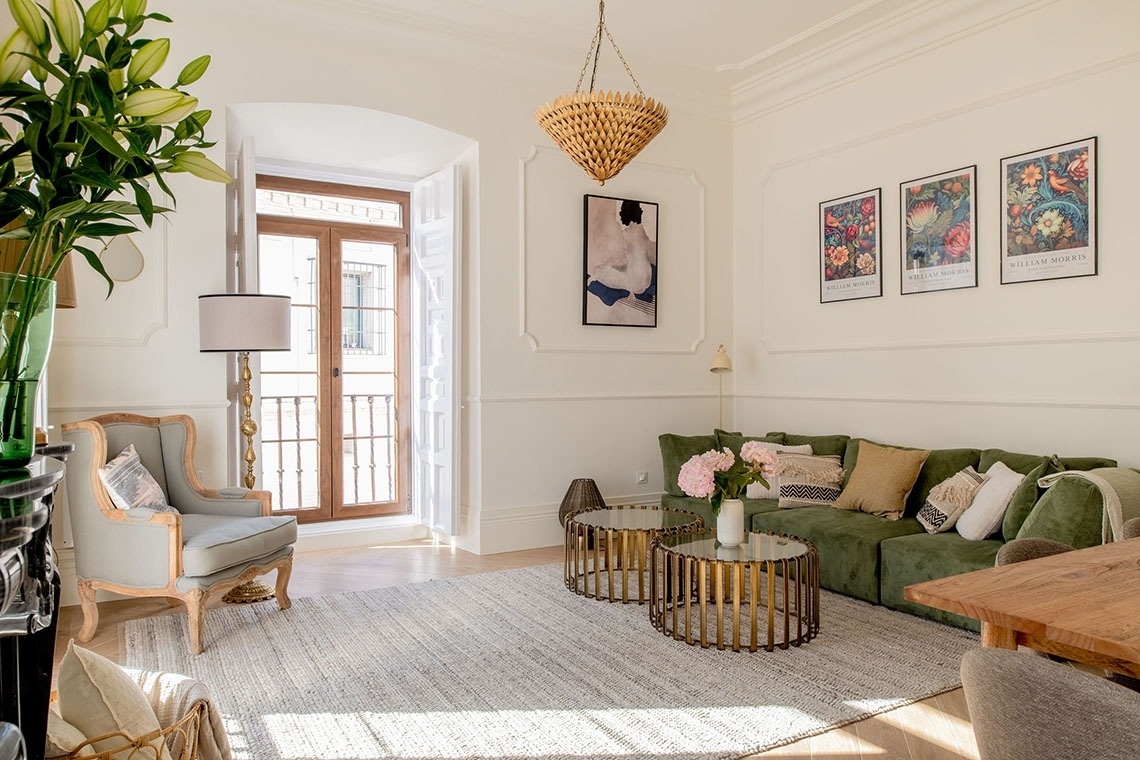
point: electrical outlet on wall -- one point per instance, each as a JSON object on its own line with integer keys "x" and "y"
{"x": 642, "y": 477}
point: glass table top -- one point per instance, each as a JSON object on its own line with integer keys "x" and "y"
{"x": 635, "y": 517}
{"x": 756, "y": 547}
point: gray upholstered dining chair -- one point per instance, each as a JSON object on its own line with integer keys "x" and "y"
{"x": 1023, "y": 706}
{"x": 210, "y": 542}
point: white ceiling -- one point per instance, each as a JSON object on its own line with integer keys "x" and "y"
{"x": 731, "y": 39}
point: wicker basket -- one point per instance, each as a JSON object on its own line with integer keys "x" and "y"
{"x": 181, "y": 739}
{"x": 602, "y": 131}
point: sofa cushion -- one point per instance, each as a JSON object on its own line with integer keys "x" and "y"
{"x": 678, "y": 449}
{"x": 914, "y": 559}
{"x": 702, "y": 507}
{"x": 1071, "y": 511}
{"x": 772, "y": 490}
{"x": 1023, "y": 500}
{"x": 940, "y": 465}
{"x": 986, "y": 512}
{"x": 1022, "y": 463}
{"x": 848, "y": 543}
{"x": 820, "y": 444}
{"x": 807, "y": 480}
{"x": 1084, "y": 463}
{"x": 735, "y": 441}
{"x": 211, "y": 543}
{"x": 949, "y": 499}
{"x": 882, "y": 479}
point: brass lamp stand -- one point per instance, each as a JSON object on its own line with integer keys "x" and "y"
{"x": 245, "y": 322}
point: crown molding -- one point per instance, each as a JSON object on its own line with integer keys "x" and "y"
{"x": 914, "y": 30}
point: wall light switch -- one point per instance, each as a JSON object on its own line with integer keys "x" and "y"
{"x": 642, "y": 477}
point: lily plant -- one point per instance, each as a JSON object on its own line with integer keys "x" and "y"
{"x": 86, "y": 138}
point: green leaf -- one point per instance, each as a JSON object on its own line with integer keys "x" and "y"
{"x": 106, "y": 229}
{"x": 106, "y": 140}
{"x": 93, "y": 261}
{"x": 144, "y": 202}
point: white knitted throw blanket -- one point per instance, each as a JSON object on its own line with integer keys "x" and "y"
{"x": 1120, "y": 489}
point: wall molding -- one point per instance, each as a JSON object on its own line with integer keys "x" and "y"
{"x": 766, "y": 93}
{"x": 991, "y": 401}
{"x": 525, "y": 332}
{"x": 135, "y": 406}
{"x": 544, "y": 398}
{"x": 533, "y": 526}
{"x": 161, "y": 320}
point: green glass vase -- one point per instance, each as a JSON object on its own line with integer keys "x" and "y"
{"x": 25, "y": 342}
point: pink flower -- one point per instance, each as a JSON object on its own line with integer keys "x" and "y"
{"x": 757, "y": 455}
{"x": 720, "y": 461}
{"x": 957, "y": 240}
{"x": 696, "y": 477}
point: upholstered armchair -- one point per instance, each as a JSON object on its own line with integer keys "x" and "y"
{"x": 214, "y": 540}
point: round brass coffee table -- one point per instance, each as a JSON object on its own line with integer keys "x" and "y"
{"x": 607, "y": 548}
{"x": 699, "y": 587}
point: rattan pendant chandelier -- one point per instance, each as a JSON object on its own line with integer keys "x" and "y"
{"x": 602, "y": 131}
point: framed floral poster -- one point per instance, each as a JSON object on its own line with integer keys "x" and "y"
{"x": 850, "y": 248}
{"x": 938, "y": 226}
{"x": 1048, "y": 199}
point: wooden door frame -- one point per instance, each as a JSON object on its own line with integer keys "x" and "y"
{"x": 329, "y": 235}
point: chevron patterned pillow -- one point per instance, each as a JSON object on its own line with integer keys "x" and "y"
{"x": 808, "y": 481}
{"x": 949, "y": 499}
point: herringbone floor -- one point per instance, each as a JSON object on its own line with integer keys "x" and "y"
{"x": 935, "y": 729}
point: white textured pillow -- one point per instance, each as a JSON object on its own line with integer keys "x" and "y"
{"x": 62, "y": 737}
{"x": 757, "y": 490}
{"x": 950, "y": 499}
{"x": 130, "y": 484}
{"x": 985, "y": 513}
{"x": 97, "y": 697}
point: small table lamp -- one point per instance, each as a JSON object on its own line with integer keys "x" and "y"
{"x": 720, "y": 365}
{"x": 245, "y": 322}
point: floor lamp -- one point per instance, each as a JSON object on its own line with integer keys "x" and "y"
{"x": 720, "y": 365}
{"x": 242, "y": 323}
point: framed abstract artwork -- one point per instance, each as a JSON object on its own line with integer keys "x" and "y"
{"x": 850, "y": 248}
{"x": 939, "y": 232}
{"x": 620, "y": 245}
{"x": 1048, "y": 201}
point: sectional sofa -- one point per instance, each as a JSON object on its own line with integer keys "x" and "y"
{"x": 873, "y": 558}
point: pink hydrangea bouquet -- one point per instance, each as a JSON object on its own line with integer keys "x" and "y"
{"x": 718, "y": 475}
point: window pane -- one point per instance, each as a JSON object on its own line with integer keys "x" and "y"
{"x": 329, "y": 208}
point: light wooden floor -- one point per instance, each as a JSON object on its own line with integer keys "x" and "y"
{"x": 935, "y": 729}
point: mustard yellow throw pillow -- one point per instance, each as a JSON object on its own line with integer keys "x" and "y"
{"x": 881, "y": 480}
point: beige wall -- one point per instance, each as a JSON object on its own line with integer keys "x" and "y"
{"x": 1044, "y": 367}
{"x": 545, "y": 399}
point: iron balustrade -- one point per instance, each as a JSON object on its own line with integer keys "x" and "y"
{"x": 289, "y": 426}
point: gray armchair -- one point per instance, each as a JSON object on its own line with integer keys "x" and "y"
{"x": 215, "y": 541}
{"x": 1023, "y": 706}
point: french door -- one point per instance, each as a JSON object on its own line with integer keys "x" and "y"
{"x": 334, "y": 410}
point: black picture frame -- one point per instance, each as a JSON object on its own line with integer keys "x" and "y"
{"x": 619, "y": 253}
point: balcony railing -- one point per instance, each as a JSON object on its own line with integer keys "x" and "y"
{"x": 290, "y": 450}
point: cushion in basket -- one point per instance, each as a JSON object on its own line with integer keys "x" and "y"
{"x": 211, "y": 543}
{"x": 131, "y": 485}
{"x": 757, "y": 490}
{"x": 882, "y": 479}
{"x": 807, "y": 480}
{"x": 949, "y": 499}
{"x": 62, "y": 737}
{"x": 97, "y": 698}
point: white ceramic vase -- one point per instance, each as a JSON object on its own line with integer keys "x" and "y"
{"x": 730, "y": 522}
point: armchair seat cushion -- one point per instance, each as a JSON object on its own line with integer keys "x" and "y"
{"x": 212, "y": 542}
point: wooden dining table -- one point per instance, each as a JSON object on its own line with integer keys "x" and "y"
{"x": 1083, "y": 605}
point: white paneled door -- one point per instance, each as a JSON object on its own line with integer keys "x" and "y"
{"x": 435, "y": 348}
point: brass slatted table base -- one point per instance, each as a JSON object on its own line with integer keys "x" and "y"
{"x": 763, "y": 594}
{"x": 608, "y": 548}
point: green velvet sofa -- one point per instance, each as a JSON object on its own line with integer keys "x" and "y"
{"x": 873, "y": 558}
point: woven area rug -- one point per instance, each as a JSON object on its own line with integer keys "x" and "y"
{"x": 510, "y": 664}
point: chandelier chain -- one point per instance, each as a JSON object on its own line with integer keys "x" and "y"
{"x": 595, "y": 52}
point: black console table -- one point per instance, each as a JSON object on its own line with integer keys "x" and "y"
{"x": 29, "y": 596}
